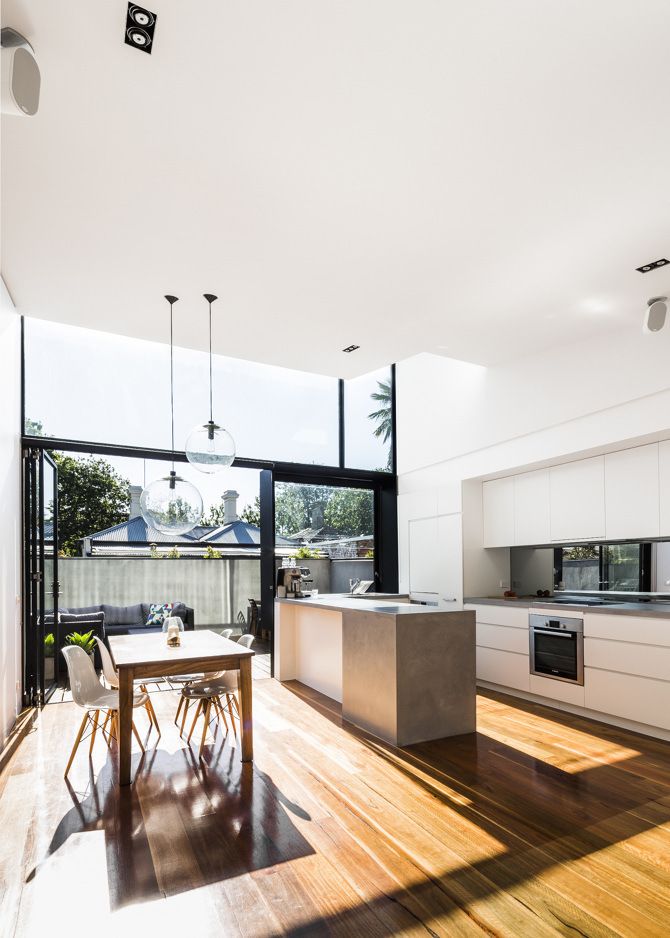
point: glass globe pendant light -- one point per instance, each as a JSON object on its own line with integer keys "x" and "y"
{"x": 209, "y": 447}
{"x": 171, "y": 505}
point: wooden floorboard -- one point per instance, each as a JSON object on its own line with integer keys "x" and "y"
{"x": 541, "y": 823}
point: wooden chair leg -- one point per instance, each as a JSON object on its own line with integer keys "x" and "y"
{"x": 137, "y": 736}
{"x": 205, "y": 727}
{"x": 195, "y": 719}
{"x": 153, "y": 717}
{"x": 96, "y": 714}
{"x": 221, "y": 712}
{"x": 106, "y": 736}
{"x": 187, "y": 704}
{"x": 76, "y": 742}
{"x": 181, "y": 704}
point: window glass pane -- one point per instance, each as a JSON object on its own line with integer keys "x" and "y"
{"x": 94, "y": 386}
{"x": 107, "y": 554}
{"x": 622, "y": 567}
{"x": 368, "y": 421}
{"x": 328, "y": 531}
{"x": 581, "y": 568}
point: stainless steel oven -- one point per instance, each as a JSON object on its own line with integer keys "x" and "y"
{"x": 557, "y": 647}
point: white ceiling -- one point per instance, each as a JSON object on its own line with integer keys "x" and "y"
{"x": 477, "y": 179}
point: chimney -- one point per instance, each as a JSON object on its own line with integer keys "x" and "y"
{"x": 135, "y": 510}
{"x": 230, "y": 497}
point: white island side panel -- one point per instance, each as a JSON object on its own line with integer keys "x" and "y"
{"x": 308, "y": 647}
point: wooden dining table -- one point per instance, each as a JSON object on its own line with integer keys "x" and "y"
{"x": 149, "y": 656}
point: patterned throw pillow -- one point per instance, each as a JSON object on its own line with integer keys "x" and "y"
{"x": 158, "y": 612}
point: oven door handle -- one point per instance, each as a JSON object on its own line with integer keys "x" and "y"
{"x": 551, "y": 632}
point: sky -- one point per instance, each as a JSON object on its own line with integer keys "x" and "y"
{"x": 99, "y": 387}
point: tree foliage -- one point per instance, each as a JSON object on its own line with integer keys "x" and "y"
{"x": 252, "y": 513}
{"x": 349, "y": 512}
{"x": 383, "y": 416}
{"x": 92, "y": 496}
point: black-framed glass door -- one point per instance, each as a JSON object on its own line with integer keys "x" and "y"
{"x": 352, "y": 524}
{"x": 41, "y": 637}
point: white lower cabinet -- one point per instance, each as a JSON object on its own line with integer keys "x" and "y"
{"x": 557, "y": 690}
{"x": 629, "y": 696}
{"x": 502, "y": 637}
{"x": 626, "y": 663}
{"x": 514, "y": 616}
{"x": 506, "y": 668}
{"x": 624, "y": 657}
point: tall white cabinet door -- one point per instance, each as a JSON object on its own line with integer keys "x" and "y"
{"x": 631, "y": 493}
{"x": 450, "y": 548}
{"x": 664, "y": 485}
{"x": 577, "y": 499}
{"x": 498, "y": 511}
{"x": 532, "y": 523}
{"x": 424, "y": 570}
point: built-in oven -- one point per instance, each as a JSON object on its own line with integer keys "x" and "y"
{"x": 557, "y": 647}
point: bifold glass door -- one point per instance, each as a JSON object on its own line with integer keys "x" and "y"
{"x": 41, "y": 636}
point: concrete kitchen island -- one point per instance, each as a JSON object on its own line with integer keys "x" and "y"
{"x": 403, "y": 672}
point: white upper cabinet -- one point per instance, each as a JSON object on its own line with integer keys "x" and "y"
{"x": 531, "y": 508}
{"x": 577, "y": 499}
{"x": 664, "y": 486}
{"x": 632, "y": 493}
{"x": 498, "y": 511}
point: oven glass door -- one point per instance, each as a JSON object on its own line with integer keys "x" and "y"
{"x": 555, "y": 653}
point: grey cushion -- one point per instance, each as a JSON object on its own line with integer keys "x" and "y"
{"x": 123, "y": 615}
{"x": 179, "y": 609}
{"x": 69, "y": 618}
{"x": 84, "y": 609}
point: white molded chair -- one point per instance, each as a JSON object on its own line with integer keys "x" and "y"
{"x": 209, "y": 692}
{"x": 185, "y": 679}
{"x": 88, "y": 693}
{"x": 111, "y": 676}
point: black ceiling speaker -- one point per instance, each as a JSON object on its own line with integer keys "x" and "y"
{"x": 140, "y": 26}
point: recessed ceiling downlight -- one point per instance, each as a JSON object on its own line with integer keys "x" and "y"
{"x": 653, "y": 265}
{"x": 140, "y": 25}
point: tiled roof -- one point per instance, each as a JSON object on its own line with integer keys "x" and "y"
{"x": 136, "y": 531}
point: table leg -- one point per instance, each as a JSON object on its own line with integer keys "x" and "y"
{"x": 246, "y": 715}
{"x": 125, "y": 723}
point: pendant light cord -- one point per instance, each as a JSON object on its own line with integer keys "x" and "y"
{"x": 171, "y": 300}
{"x": 172, "y": 386}
{"x": 211, "y": 406}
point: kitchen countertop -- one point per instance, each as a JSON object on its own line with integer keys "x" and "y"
{"x": 342, "y": 602}
{"x": 658, "y": 610}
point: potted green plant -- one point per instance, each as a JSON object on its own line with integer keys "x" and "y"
{"x": 84, "y": 640}
{"x": 49, "y": 644}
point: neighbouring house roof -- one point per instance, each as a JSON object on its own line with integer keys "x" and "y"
{"x": 137, "y": 533}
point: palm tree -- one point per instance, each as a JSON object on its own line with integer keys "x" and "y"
{"x": 383, "y": 417}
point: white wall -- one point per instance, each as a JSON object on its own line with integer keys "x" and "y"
{"x": 457, "y": 421}
{"x": 10, "y": 520}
